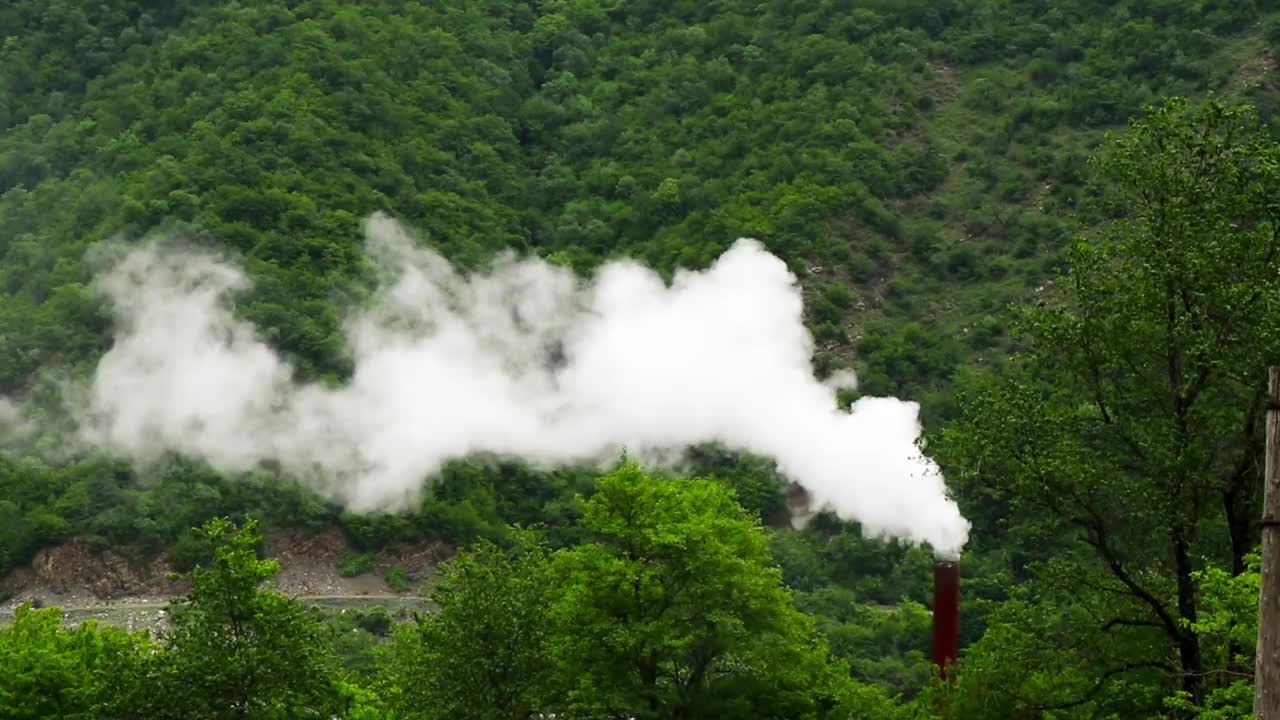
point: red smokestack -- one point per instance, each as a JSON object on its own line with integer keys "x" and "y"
{"x": 946, "y": 613}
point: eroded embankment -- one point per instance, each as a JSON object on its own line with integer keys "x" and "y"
{"x": 103, "y": 585}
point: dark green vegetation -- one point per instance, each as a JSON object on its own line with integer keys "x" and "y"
{"x": 918, "y": 164}
{"x": 672, "y": 610}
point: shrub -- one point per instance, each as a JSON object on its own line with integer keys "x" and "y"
{"x": 191, "y": 549}
{"x": 356, "y": 564}
{"x": 398, "y": 580}
{"x": 375, "y": 621}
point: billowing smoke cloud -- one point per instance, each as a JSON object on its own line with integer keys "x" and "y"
{"x": 524, "y": 360}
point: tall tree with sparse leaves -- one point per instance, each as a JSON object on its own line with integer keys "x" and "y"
{"x": 1128, "y": 437}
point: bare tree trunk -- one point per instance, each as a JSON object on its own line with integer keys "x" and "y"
{"x": 1266, "y": 698}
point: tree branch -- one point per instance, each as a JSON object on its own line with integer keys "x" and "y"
{"x": 1092, "y": 692}
{"x": 1100, "y": 543}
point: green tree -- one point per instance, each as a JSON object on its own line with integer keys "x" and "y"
{"x": 1128, "y": 439}
{"x": 237, "y": 650}
{"x": 48, "y": 671}
{"x": 675, "y": 610}
{"x": 482, "y": 655}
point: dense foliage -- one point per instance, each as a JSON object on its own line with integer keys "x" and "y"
{"x": 919, "y": 165}
{"x": 1127, "y": 435}
{"x": 673, "y": 611}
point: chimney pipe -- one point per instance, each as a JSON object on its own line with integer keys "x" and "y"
{"x": 946, "y": 614}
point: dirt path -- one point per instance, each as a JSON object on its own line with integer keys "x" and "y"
{"x": 151, "y": 613}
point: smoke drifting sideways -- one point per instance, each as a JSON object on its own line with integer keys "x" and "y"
{"x": 524, "y": 360}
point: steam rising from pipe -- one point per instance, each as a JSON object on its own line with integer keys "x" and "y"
{"x": 524, "y": 360}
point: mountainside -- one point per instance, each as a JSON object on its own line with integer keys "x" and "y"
{"x": 918, "y": 164}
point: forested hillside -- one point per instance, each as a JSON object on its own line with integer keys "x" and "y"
{"x": 921, "y": 166}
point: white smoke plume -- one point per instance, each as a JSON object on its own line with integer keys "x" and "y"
{"x": 10, "y": 413}
{"x": 524, "y": 360}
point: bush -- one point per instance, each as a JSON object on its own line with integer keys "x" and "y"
{"x": 398, "y": 580}
{"x": 823, "y": 311}
{"x": 375, "y": 621}
{"x": 190, "y": 550}
{"x": 838, "y": 295}
{"x": 1271, "y": 30}
{"x": 829, "y": 334}
{"x": 356, "y": 564}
